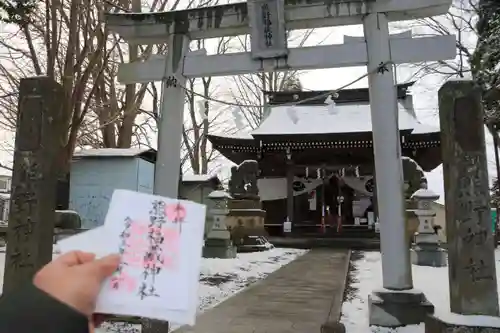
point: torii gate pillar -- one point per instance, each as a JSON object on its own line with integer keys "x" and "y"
{"x": 170, "y": 119}
{"x": 397, "y": 304}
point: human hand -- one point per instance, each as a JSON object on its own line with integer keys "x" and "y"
{"x": 75, "y": 279}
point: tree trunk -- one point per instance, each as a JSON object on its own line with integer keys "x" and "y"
{"x": 205, "y": 124}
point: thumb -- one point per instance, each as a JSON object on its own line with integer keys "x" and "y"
{"x": 74, "y": 258}
{"x": 104, "y": 267}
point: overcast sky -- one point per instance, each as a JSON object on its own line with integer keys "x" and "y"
{"x": 424, "y": 91}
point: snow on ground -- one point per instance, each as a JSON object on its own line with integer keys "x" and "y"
{"x": 223, "y": 278}
{"x": 433, "y": 281}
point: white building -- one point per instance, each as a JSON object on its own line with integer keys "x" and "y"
{"x": 5, "y": 184}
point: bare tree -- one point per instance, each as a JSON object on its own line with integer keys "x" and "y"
{"x": 68, "y": 41}
{"x": 459, "y": 21}
{"x": 202, "y": 116}
{"x": 246, "y": 90}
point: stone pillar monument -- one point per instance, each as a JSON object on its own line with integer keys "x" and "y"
{"x": 39, "y": 137}
{"x": 246, "y": 216}
{"x": 427, "y": 251}
{"x": 218, "y": 243}
{"x": 471, "y": 252}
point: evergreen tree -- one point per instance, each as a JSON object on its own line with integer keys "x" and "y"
{"x": 486, "y": 59}
{"x": 495, "y": 193}
{"x": 485, "y": 65}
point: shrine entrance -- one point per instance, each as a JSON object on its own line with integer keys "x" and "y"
{"x": 336, "y": 205}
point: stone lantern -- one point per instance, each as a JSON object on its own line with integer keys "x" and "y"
{"x": 427, "y": 251}
{"x": 218, "y": 242}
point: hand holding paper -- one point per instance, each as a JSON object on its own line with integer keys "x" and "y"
{"x": 160, "y": 242}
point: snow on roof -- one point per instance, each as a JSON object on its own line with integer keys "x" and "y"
{"x": 113, "y": 152}
{"x": 421, "y": 128}
{"x": 4, "y": 172}
{"x": 423, "y": 193}
{"x": 218, "y": 194}
{"x": 238, "y": 135}
{"x": 198, "y": 178}
{"x": 318, "y": 119}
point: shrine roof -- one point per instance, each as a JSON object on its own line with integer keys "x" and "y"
{"x": 240, "y": 135}
{"x": 317, "y": 97}
{"x": 323, "y": 119}
{"x": 191, "y": 178}
{"x": 421, "y": 128}
{"x": 350, "y": 116}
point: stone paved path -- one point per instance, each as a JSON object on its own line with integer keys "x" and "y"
{"x": 296, "y": 298}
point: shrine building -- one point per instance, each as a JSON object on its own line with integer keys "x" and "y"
{"x": 316, "y": 159}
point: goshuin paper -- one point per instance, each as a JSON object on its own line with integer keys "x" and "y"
{"x": 160, "y": 242}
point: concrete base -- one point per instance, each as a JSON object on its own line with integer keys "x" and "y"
{"x": 333, "y": 327}
{"x": 425, "y": 255}
{"x": 390, "y": 308}
{"x": 219, "y": 252}
{"x": 67, "y": 219}
{"x": 448, "y": 323}
{"x": 219, "y": 248}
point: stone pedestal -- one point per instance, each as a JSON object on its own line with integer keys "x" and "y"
{"x": 391, "y": 308}
{"x": 450, "y": 322}
{"x": 66, "y": 223}
{"x": 67, "y": 219}
{"x": 218, "y": 243}
{"x": 219, "y": 248}
{"x": 245, "y": 219}
{"x": 429, "y": 255}
{"x": 427, "y": 250}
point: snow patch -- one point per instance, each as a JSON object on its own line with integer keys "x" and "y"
{"x": 198, "y": 178}
{"x": 113, "y": 152}
{"x": 221, "y": 279}
{"x": 432, "y": 281}
{"x": 425, "y": 194}
{"x": 453, "y": 318}
{"x": 219, "y": 195}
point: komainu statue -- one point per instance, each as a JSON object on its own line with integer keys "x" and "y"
{"x": 243, "y": 182}
{"x": 236, "y": 183}
{"x": 414, "y": 176}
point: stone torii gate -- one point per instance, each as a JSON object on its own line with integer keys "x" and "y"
{"x": 267, "y": 21}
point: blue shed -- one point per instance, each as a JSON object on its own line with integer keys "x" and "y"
{"x": 96, "y": 173}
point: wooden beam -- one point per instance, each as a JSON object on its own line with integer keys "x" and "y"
{"x": 232, "y": 19}
{"x": 404, "y": 50}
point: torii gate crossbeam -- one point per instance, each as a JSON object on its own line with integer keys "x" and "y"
{"x": 232, "y": 19}
{"x": 404, "y": 50}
